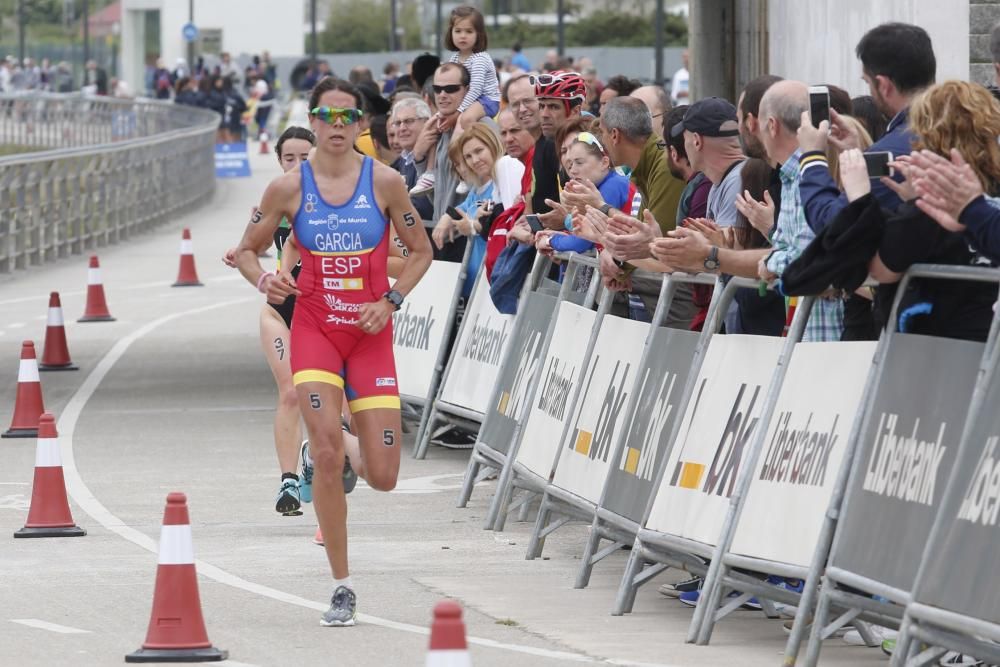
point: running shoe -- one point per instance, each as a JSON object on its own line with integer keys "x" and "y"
{"x": 691, "y": 599}
{"x": 889, "y": 646}
{"x": 793, "y": 585}
{"x": 343, "y": 609}
{"x": 306, "y": 478}
{"x": 853, "y": 637}
{"x": 452, "y": 438}
{"x": 788, "y": 625}
{"x": 289, "y": 501}
{"x": 953, "y": 658}
{"x": 349, "y": 477}
{"x": 424, "y": 185}
{"x": 462, "y": 188}
{"x": 675, "y": 589}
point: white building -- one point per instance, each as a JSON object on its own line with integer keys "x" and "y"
{"x": 237, "y": 26}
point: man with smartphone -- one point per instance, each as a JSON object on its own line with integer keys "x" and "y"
{"x": 898, "y": 63}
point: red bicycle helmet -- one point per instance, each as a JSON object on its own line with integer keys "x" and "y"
{"x": 559, "y": 85}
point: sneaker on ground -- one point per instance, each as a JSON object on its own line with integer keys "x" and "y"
{"x": 952, "y": 658}
{"x": 462, "y": 188}
{"x": 793, "y": 585}
{"x": 424, "y": 184}
{"x": 690, "y": 598}
{"x": 343, "y": 609}
{"x": 788, "y": 625}
{"x": 288, "y": 502}
{"x": 306, "y": 478}
{"x": 454, "y": 439}
{"x": 853, "y": 637}
{"x": 675, "y": 589}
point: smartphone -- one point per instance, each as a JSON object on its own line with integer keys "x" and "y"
{"x": 819, "y": 104}
{"x": 453, "y": 213}
{"x": 878, "y": 164}
{"x": 534, "y": 223}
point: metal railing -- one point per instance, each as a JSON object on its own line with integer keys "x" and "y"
{"x": 103, "y": 169}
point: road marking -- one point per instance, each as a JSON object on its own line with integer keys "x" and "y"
{"x": 85, "y": 499}
{"x": 40, "y": 297}
{"x": 15, "y": 502}
{"x": 51, "y": 627}
{"x": 16, "y": 325}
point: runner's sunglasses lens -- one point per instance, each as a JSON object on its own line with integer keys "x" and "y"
{"x": 332, "y": 114}
{"x": 543, "y": 79}
{"x": 451, "y": 88}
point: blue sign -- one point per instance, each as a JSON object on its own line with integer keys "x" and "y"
{"x": 189, "y": 32}
{"x": 232, "y": 161}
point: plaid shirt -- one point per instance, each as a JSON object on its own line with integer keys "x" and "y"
{"x": 792, "y": 235}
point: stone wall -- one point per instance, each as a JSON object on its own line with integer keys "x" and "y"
{"x": 983, "y": 15}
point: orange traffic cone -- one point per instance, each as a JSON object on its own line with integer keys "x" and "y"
{"x": 55, "y": 355}
{"x": 49, "y": 515}
{"x": 28, "y": 404}
{"x": 187, "y": 276}
{"x": 176, "y": 627}
{"x": 264, "y": 150}
{"x": 448, "y": 647}
{"x": 97, "y": 306}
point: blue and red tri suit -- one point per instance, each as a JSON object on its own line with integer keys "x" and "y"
{"x": 344, "y": 252}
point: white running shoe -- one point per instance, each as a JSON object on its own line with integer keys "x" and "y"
{"x": 853, "y": 637}
{"x": 424, "y": 184}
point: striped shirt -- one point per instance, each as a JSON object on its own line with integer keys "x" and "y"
{"x": 791, "y": 236}
{"x": 482, "y": 79}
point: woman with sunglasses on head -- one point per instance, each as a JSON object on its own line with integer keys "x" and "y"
{"x": 341, "y": 204}
{"x": 586, "y": 161}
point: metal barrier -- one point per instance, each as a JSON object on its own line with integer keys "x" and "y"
{"x": 105, "y": 169}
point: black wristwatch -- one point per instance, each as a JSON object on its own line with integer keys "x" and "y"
{"x": 394, "y": 297}
{"x": 605, "y": 208}
{"x": 712, "y": 261}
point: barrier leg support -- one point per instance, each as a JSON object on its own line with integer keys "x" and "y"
{"x": 625, "y": 588}
{"x": 537, "y": 541}
{"x": 500, "y": 499}
{"x": 818, "y": 625}
{"x": 424, "y": 432}
{"x": 906, "y": 648}
{"x": 587, "y": 564}
{"x": 471, "y": 473}
{"x": 524, "y": 508}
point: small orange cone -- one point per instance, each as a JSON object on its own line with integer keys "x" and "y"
{"x": 28, "y": 403}
{"x": 448, "y": 647}
{"x": 55, "y": 355}
{"x": 264, "y": 150}
{"x": 49, "y": 515}
{"x": 176, "y": 627}
{"x": 97, "y": 306}
{"x": 187, "y": 276}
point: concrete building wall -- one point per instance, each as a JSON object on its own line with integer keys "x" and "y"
{"x": 983, "y": 15}
{"x": 248, "y": 27}
{"x": 814, "y": 41}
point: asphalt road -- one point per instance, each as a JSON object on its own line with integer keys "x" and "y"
{"x": 175, "y": 395}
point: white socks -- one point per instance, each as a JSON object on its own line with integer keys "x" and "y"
{"x": 345, "y": 582}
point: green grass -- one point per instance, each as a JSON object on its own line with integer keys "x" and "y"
{"x": 507, "y": 621}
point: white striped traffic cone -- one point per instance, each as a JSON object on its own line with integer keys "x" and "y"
{"x": 55, "y": 354}
{"x": 97, "y": 306}
{"x": 187, "y": 275}
{"x": 176, "y": 627}
{"x": 49, "y": 515}
{"x": 28, "y": 403}
{"x": 448, "y": 647}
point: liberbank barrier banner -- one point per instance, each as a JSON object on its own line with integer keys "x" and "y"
{"x": 560, "y": 373}
{"x": 905, "y": 456}
{"x": 515, "y": 379}
{"x": 419, "y": 328}
{"x": 963, "y": 573}
{"x": 585, "y": 454}
{"x": 661, "y": 387}
{"x": 478, "y": 352}
{"x": 805, "y": 444}
{"x": 719, "y": 423}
